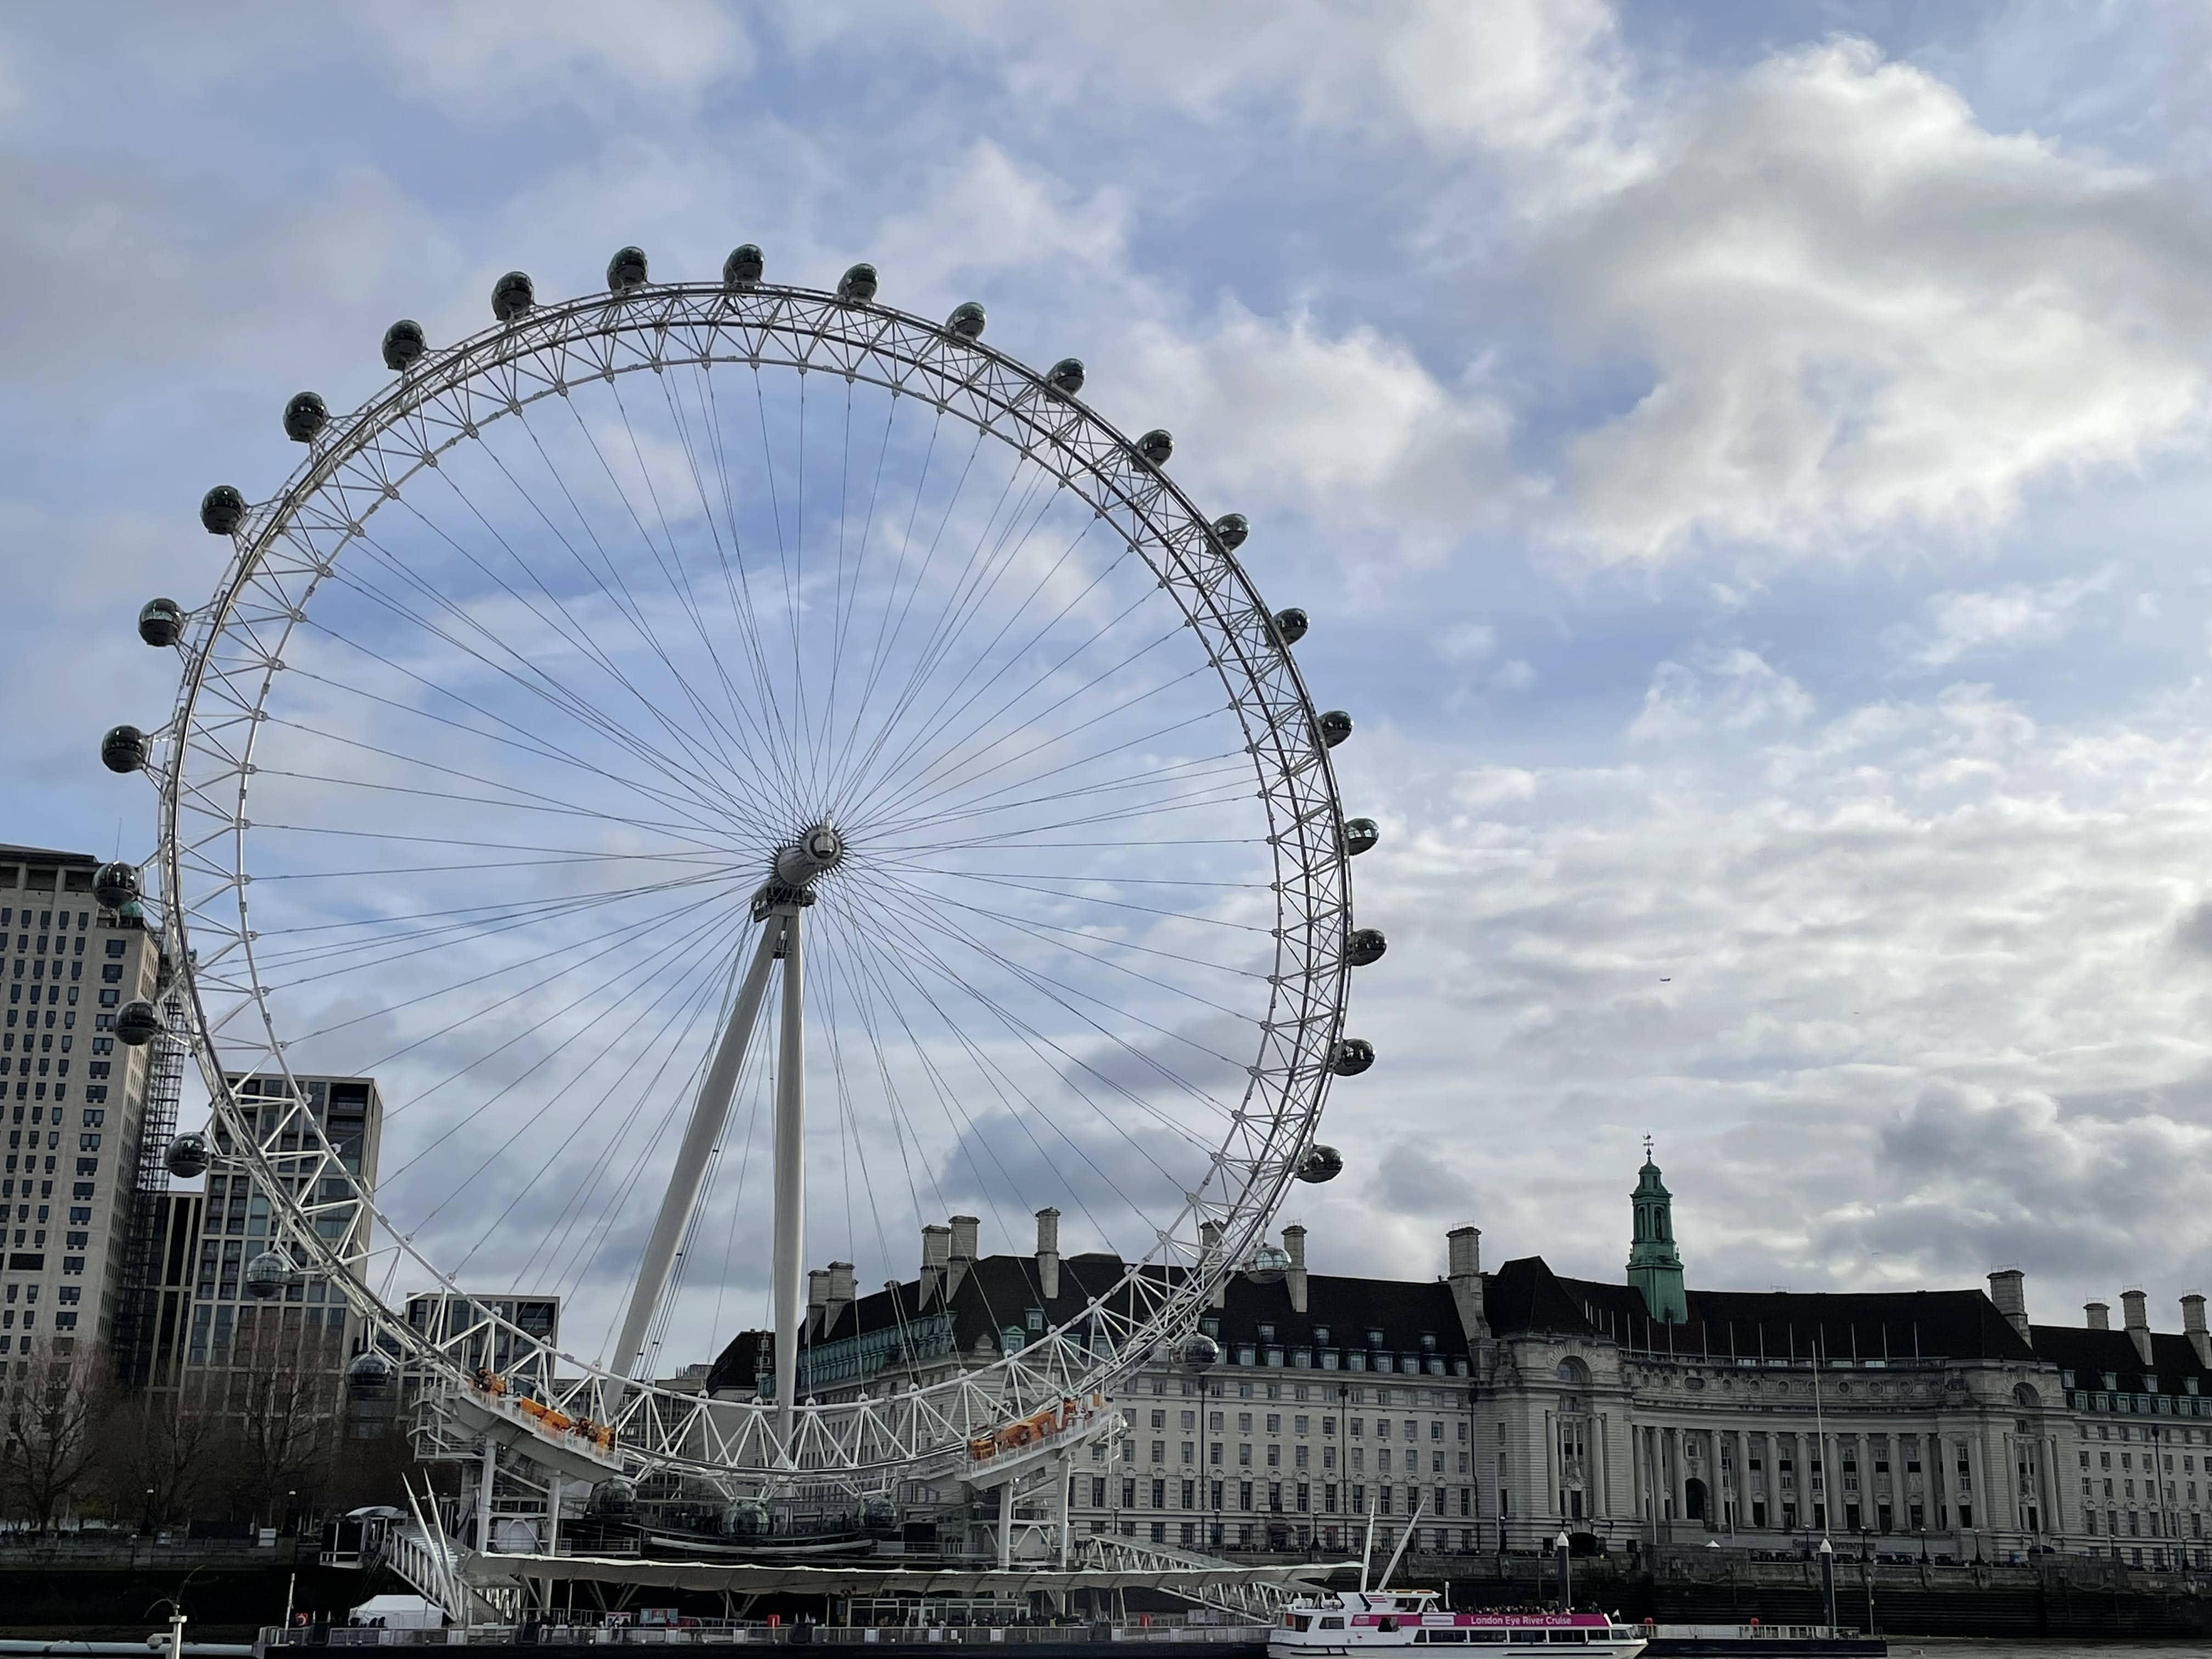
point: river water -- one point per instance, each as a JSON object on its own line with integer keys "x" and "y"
{"x": 1938, "y": 1647}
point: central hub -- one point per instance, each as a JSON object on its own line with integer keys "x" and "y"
{"x": 818, "y": 850}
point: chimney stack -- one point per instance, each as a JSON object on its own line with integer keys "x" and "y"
{"x": 1209, "y": 1260}
{"x": 817, "y": 1293}
{"x": 841, "y": 1292}
{"x": 964, "y": 1251}
{"x": 2008, "y": 1289}
{"x": 1294, "y": 1246}
{"x": 2135, "y": 1307}
{"x": 1048, "y": 1253}
{"x": 2192, "y": 1327}
{"x": 936, "y": 1255}
{"x": 2098, "y": 1313}
{"x": 1463, "y": 1248}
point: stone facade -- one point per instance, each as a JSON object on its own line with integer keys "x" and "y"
{"x": 1511, "y": 1406}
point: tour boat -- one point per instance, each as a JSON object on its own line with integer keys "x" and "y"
{"x": 1334, "y": 1624}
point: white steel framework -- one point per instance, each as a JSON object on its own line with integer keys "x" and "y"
{"x": 203, "y": 760}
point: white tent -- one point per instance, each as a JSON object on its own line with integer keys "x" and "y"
{"x": 401, "y": 1613}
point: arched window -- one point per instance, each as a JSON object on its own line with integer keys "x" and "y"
{"x": 2024, "y": 1394}
{"x": 1574, "y": 1373}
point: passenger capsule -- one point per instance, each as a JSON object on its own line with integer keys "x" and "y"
{"x": 1335, "y": 727}
{"x": 123, "y": 750}
{"x": 137, "y": 1023}
{"x": 1359, "y": 834}
{"x": 1066, "y": 376}
{"x": 266, "y": 1275}
{"x": 744, "y": 1517}
{"x": 305, "y": 415}
{"x": 370, "y": 1376}
{"x": 1199, "y": 1352}
{"x": 613, "y": 1498}
{"x": 744, "y": 266}
{"x": 160, "y": 621}
{"x": 222, "y": 510}
{"x": 1269, "y": 1263}
{"x": 1353, "y": 1055}
{"x": 115, "y": 885}
{"x": 1291, "y": 624}
{"x": 1321, "y": 1163}
{"x": 1364, "y": 945}
{"x": 1155, "y": 446}
{"x": 188, "y": 1158}
{"x": 878, "y": 1511}
{"x": 626, "y": 270}
{"x": 858, "y": 284}
{"x": 966, "y": 321}
{"x": 404, "y": 344}
{"x": 511, "y": 295}
{"x": 1230, "y": 529}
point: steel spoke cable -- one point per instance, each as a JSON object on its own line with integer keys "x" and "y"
{"x": 678, "y": 581}
{"x": 1057, "y": 990}
{"x": 951, "y": 1101}
{"x": 626, "y": 934}
{"x": 891, "y": 926}
{"x": 859, "y": 562}
{"x": 576, "y": 636}
{"x": 1139, "y": 740}
{"x": 689, "y": 693}
{"x": 735, "y": 579}
{"x": 951, "y": 701}
{"x": 935, "y": 644}
{"x": 522, "y": 740}
{"x": 886, "y": 647}
{"x": 710, "y": 796}
{"x": 1168, "y": 774}
{"x": 644, "y": 976}
{"x": 915, "y": 795}
{"x": 525, "y": 914}
{"x": 476, "y": 936}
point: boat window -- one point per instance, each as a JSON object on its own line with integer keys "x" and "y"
{"x": 1564, "y": 1637}
{"x": 1386, "y": 1623}
{"x": 1332, "y": 1624}
{"x": 1448, "y": 1636}
{"x": 1488, "y": 1636}
{"x": 1420, "y": 1635}
{"x": 1298, "y": 1621}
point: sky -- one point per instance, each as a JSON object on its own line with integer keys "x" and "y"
{"x": 1742, "y": 464}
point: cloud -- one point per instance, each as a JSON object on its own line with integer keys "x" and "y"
{"x": 1738, "y": 692}
{"x": 2005, "y": 619}
{"x": 483, "y": 61}
{"x": 1858, "y": 309}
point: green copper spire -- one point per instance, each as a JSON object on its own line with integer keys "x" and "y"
{"x": 1655, "y": 1267}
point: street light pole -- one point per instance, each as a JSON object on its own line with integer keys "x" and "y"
{"x": 1565, "y": 1547}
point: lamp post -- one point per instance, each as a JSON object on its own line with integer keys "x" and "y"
{"x": 1565, "y": 1547}
{"x": 1200, "y": 1354}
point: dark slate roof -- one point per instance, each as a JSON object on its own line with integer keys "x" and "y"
{"x": 2090, "y": 1354}
{"x": 1526, "y": 1295}
{"x": 998, "y": 1290}
{"x": 47, "y": 855}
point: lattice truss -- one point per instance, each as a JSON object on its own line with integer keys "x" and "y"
{"x": 203, "y": 763}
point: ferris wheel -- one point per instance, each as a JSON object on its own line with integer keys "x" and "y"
{"x": 751, "y": 772}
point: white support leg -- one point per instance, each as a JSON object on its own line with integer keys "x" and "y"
{"x": 552, "y": 1514}
{"x": 483, "y": 1496}
{"x": 1066, "y": 1498}
{"x": 1006, "y": 1525}
{"x": 709, "y": 1113}
{"x": 790, "y": 1181}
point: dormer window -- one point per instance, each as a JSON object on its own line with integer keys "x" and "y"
{"x": 1428, "y": 1341}
{"x": 1320, "y": 1335}
{"x": 1374, "y": 1338}
{"x": 1267, "y": 1332}
{"x": 1211, "y": 1327}
{"x": 2151, "y": 1384}
{"x": 2111, "y": 1379}
{"x": 1036, "y": 1319}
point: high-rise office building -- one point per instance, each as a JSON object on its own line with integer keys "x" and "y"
{"x": 233, "y": 1339}
{"x": 74, "y": 1100}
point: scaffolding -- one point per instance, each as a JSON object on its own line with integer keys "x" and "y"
{"x": 137, "y": 1312}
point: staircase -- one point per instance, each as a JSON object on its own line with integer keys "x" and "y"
{"x": 1232, "y": 1588}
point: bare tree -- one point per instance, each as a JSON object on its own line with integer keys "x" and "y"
{"x": 50, "y": 1410}
{"x": 281, "y": 1416}
{"x": 156, "y": 1458}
